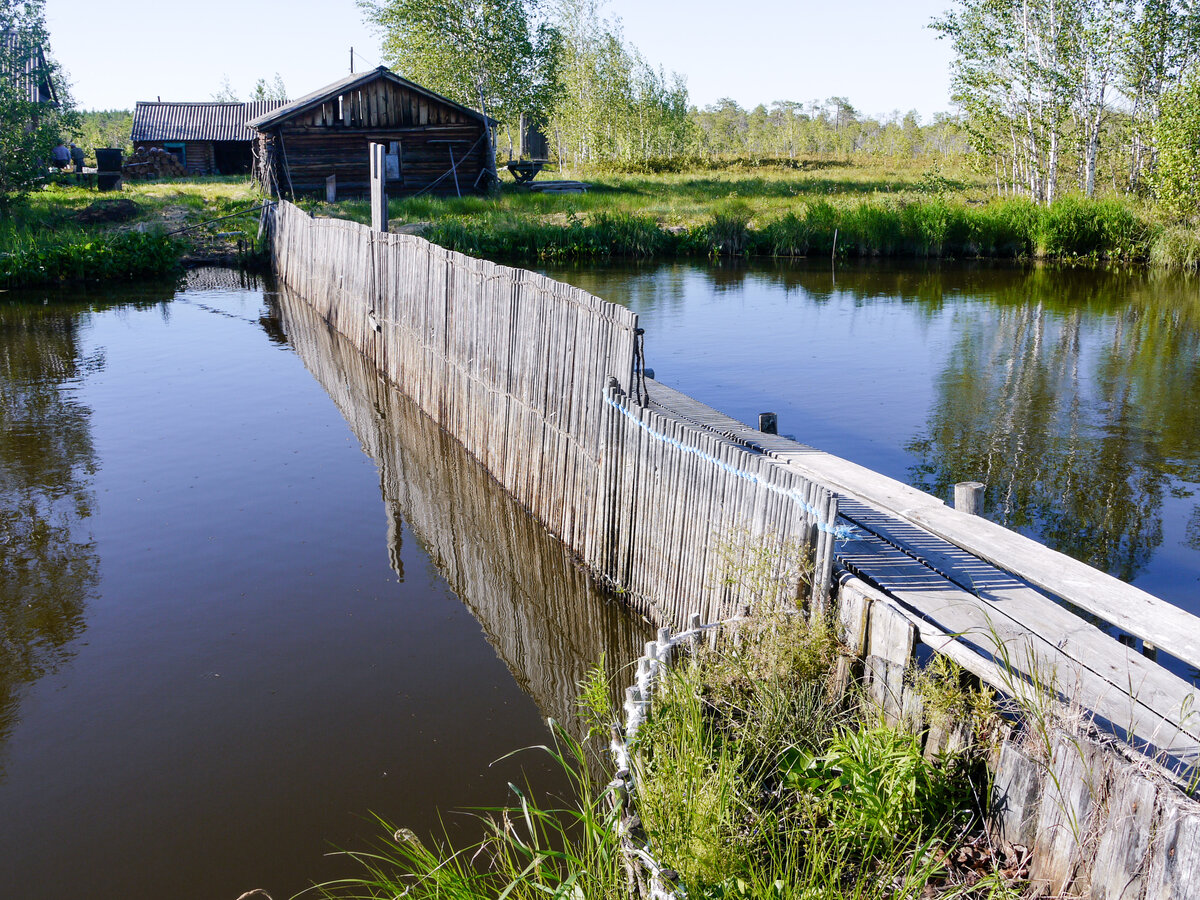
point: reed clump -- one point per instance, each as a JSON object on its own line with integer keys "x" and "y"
{"x": 924, "y": 227}
{"x": 759, "y": 776}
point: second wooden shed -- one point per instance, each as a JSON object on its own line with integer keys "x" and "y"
{"x": 434, "y": 144}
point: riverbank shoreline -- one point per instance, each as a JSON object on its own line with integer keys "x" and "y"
{"x": 67, "y": 234}
{"x": 860, "y": 211}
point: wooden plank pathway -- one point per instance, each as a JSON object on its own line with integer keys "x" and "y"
{"x": 1010, "y": 628}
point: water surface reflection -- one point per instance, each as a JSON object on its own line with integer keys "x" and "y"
{"x": 229, "y": 635}
{"x": 1068, "y": 390}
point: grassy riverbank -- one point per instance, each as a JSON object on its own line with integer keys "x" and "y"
{"x": 759, "y": 778}
{"x": 807, "y": 208}
{"x": 815, "y": 209}
{"x": 66, "y": 233}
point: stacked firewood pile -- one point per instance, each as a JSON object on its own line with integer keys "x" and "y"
{"x": 152, "y": 162}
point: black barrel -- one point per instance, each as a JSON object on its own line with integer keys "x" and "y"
{"x": 108, "y": 159}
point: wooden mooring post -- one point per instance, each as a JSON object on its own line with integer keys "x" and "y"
{"x": 968, "y": 497}
{"x": 379, "y": 202}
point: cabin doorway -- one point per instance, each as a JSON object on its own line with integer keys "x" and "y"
{"x": 232, "y": 157}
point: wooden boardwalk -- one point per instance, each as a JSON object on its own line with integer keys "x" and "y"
{"x": 994, "y": 623}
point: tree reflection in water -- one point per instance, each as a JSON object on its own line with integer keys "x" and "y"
{"x": 1072, "y": 399}
{"x": 48, "y": 563}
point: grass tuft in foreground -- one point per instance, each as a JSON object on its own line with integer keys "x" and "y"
{"x": 758, "y": 777}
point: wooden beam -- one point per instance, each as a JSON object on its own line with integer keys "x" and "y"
{"x": 379, "y": 203}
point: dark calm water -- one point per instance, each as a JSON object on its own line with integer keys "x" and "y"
{"x": 248, "y": 597}
{"x": 1073, "y": 393}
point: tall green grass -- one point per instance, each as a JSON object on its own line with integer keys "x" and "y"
{"x": 890, "y": 227}
{"x": 49, "y": 238}
{"x": 528, "y": 851}
{"x": 33, "y": 258}
{"x": 758, "y": 778}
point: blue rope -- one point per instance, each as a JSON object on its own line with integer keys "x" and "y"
{"x": 840, "y": 532}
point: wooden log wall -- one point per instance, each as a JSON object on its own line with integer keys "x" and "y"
{"x": 331, "y": 138}
{"x": 311, "y": 156}
{"x": 547, "y": 619}
{"x": 517, "y": 367}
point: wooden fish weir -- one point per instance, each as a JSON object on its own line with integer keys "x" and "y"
{"x": 693, "y": 512}
{"x": 547, "y": 619}
{"x": 518, "y": 367}
{"x": 661, "y": 497}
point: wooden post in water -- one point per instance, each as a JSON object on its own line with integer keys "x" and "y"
{"x": 378, "y": 188}
{"x": 331, "y": 189}
{"x": 968, "y": 497}
{"x": 768, "y": 423}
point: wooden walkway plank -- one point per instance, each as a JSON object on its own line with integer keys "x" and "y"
{"x": 1125, "y": 669}
{"x": 1123, "y": 605}
{"x": 1020, "y": 653}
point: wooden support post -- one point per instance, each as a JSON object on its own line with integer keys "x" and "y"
{"x": 454, "y": 170}
{"x": 331, "y": 189}
{"x": 968, "y": 497}
{"x": 768, "y": 423}
{"x": 1149, "y": 651}
{"x": 378, "y": 188}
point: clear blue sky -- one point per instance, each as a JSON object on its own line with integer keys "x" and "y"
{"x": 879, "y": 54}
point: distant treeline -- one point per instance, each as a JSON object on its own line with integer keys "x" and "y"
{"x": 829, "y": 128}
{"x": 104, "y": 128}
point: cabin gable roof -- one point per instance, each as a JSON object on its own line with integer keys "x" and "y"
{"x": 349, "y": 83}
{"x": 158, "y": 121}
{"x": 28, "y": 68}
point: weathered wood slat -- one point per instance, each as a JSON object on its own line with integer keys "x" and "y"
{"x": 1021, "y": 655}
{"x": 1129, "y": 608}
{"x": 1123, "y": 668}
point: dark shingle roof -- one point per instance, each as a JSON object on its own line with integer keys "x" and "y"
{"x": 31, "y": 71}
{"x": 348, "y": 83}
{"x": 198, "y": 121}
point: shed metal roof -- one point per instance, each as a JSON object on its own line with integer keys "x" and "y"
{"x": 153, "y": 121}
{"x": 350, "y": 82}
{"x": 27, "y": 66}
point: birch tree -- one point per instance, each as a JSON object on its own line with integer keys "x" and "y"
{"x": 611, "y": 103}
{"x": 1011, "y": 75}
{"x": 1176, "y": 179}
{"x": 479, "y": 53}
{"x": 1162, "y": 43}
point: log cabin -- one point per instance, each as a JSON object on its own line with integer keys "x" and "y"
{"x": 206, "y": 138}
{"x": 433, "y": 143}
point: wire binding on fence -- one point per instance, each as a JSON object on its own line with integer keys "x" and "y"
{"x": 840, "y": 532}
